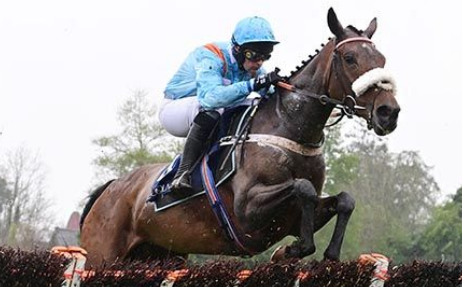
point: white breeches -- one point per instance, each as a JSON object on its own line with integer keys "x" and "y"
{"x": 176, "y": 116}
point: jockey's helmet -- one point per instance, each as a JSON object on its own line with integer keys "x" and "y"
{"x": 255, "y": 34}
{"x": 253, "y": 29}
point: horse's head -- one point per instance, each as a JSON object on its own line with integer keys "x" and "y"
{"x": 357, "y": 70}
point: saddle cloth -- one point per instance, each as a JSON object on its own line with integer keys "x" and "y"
{"x": 231, "y": 123}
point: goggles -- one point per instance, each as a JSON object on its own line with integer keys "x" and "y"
{"x": 255, "y": 56}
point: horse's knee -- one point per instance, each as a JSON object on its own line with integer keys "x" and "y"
{"x": 305, "y": 189}
{"x": 345, "y": 203}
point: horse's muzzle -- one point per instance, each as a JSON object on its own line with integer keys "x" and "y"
{"x": 385, "y": 119}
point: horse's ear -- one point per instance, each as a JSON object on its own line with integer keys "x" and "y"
{"x": 334, "y": 24}
{"x": 371, "y": 29}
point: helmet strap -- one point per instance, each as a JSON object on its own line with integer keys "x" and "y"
{"x": 238, "y": 55}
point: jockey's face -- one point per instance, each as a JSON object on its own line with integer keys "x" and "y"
{"x": 253, "y": 55}
{"x": 252, "y": 66}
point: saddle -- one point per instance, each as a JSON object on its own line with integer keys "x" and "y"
{"x": 221, "y": 161}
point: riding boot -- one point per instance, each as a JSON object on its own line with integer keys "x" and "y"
{"x": 197, "y": 140}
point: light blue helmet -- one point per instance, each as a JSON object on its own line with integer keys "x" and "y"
{"x": 253, "y": 29}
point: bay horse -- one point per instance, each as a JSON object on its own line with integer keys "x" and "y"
{"x": 276, "y": 189}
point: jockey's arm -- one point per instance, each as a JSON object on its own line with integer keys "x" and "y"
{"x": 213, "y": 90}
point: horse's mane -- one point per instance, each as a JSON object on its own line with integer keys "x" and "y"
{"x": 311, "y": 57}
{"x": 306, "y": 62}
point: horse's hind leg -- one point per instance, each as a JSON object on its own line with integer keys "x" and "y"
{"x": 341, "y": 205}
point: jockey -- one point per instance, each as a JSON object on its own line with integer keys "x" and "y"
{"x": 213, "y": 77}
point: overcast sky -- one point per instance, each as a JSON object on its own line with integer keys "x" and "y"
{"x": 66, "y": 66}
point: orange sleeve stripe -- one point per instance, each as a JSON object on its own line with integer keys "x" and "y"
{"x": 214, "y": 49}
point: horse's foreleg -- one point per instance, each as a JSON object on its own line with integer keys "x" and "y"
{"x": 343, "y": 205}
{"x": 306, "y": 193}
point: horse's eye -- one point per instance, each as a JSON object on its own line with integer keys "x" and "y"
{"x": 349, "y": 58}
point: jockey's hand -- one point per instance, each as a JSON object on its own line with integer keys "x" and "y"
{"x": 266, "y": 80}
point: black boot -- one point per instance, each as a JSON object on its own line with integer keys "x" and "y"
{"x": 198, "y": 137}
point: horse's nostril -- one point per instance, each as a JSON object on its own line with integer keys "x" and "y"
{"x": 387, "y": 113}
{"x": 384, "y": 111}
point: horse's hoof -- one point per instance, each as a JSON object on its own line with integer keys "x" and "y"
{"x": 278, "y": 254}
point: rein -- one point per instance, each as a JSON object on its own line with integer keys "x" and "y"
{"x": 347, "y": 106}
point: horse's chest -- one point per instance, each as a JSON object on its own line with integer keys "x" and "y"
{"x": 274, "y": 165}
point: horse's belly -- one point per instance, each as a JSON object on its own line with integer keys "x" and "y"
{"x": 187, "y": 228}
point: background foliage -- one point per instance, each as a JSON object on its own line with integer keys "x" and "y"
{"x": 25, "y": 220}
{"x": 141, "y": 140}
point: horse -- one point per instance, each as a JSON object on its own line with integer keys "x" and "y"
{"x": 276, "y": 190}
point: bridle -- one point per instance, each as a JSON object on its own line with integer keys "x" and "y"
{"x": 347, "y": 105}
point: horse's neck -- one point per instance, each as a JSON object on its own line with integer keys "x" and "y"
{"x": 296, "y": 116}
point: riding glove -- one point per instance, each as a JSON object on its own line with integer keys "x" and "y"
{"x": 266, "y": 80}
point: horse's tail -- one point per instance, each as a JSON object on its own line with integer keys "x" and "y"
{"x": 92, "y": 198}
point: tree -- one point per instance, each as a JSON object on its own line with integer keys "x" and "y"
{"x": 341, "y": 166}
{"x": 3, "y": 194}
{"x": 25, "y": 221}
{"x": 394, "y": 194}
{"x": 442, "y": 237}
{"x": 141, "y": 141}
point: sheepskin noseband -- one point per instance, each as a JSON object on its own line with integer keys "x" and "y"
{"x": 378, "y": 77}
